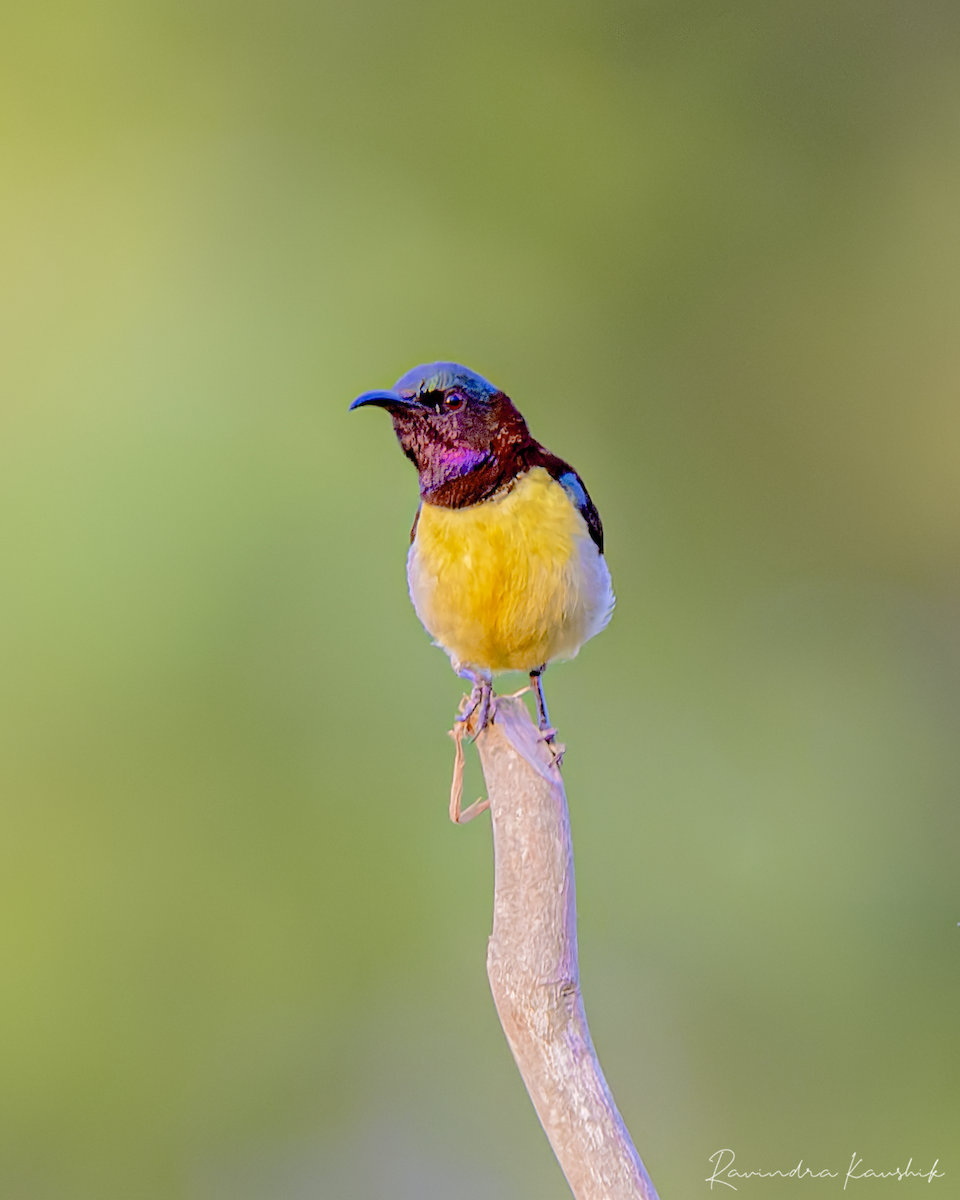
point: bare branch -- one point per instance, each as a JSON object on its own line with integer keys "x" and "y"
{"x": 532, "y": 963}
{"x": 457, "y": 815}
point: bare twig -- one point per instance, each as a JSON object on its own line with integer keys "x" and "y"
{"x": 532, "y": 963}
{"x": 458, "y": 816}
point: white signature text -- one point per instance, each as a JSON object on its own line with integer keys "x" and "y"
{"x": 724, "y": 1171}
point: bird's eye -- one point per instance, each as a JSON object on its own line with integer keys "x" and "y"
{"x": 453, "y": 401}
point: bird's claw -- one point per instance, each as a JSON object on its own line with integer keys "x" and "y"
{"x": 548, "y": 734}
{"x": 481, "y": 702}
{"x": 557, "y": 749}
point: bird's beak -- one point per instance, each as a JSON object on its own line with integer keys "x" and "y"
{"x": 388, "y": 400}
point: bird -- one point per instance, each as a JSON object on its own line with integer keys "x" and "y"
{"x": 505, "y": 569}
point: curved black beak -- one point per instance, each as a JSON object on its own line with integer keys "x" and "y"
{"x": 386, "y": 400}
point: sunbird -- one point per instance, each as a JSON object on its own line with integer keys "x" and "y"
{"x": 505, "y": 568}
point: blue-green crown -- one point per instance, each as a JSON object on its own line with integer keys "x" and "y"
{"x": 441, "y": 376}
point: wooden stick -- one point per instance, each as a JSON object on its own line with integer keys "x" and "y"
{"x": 457, "y": 815}
{"x": 532, "y": 963}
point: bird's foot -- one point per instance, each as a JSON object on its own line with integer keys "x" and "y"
{"x": 547, "y": 732}
{"x": 557, "y": 749}
{"x": 481, "y": 706}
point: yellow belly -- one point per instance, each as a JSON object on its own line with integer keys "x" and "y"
{"x": 511, "y": 583}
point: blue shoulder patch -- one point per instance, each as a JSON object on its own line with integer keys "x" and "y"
{"x": 570, "y": 482}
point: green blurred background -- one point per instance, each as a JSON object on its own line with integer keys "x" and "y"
{"x": 712, "y": 250}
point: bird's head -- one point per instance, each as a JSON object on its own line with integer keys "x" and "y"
{"x": 461, "y": 433}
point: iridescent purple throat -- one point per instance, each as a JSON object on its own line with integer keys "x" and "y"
{"x": 447, "y": 463}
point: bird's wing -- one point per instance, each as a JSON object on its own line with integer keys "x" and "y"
{"x": 573, "y": 485}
